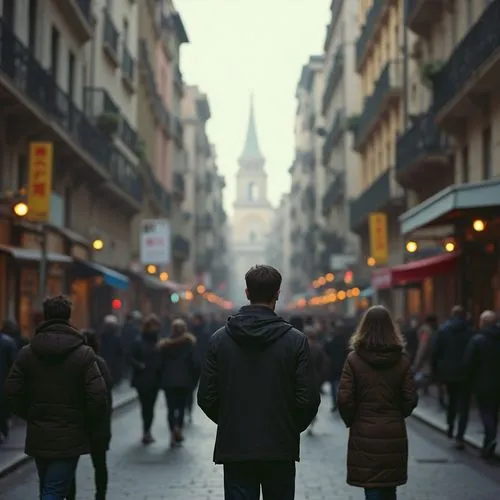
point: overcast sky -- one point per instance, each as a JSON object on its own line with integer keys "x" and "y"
{"x": 240, "y": 46}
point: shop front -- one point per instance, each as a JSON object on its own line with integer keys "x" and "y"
{"x": 472, "y": 212}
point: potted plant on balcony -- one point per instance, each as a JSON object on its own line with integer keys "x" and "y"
{"x": 429, "y": 70}
{"x": 108, "y": 123}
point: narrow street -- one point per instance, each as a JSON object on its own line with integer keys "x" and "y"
{"x": 436, "y": 470}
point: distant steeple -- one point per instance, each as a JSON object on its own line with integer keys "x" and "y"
{"x": 251, "y": 150}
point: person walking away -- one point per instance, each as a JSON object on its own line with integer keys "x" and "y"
{"x": 258, "y": 385}
{"x": 422, "y": 362}
{"x": 8, "y": 352}
{"x": 337, "y": 350}
{"x": 319, "y": 361}
{"x": 447, "y": 363}
{"x": 297, "y": 322}
{"x": 145, "y": 360}
{"x": 57, "y": 387}
{"x": 376, "y": 394}
{"x": 101, "y": 435}
{"x": 180, "y": 372}
{"x": 130, "y": 333}
{"x": 111, "y": 347}
{"x": 410, "y": 334}
{"x": 11, "y": 328}
{"x": 482, "y": 368}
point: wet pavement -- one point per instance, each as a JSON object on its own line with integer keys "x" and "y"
{"x": 437, "y": 471}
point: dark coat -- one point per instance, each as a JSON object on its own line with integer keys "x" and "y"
{"x": 180, "y": 363}
{"x": 449, "y": 348}
{"x": 111, "y": 349}
{"x": 258, "y": 385}
{"x": 337, "y": 350}
{"x": 101, "y": 432}
{"x": 376, "y": 394}
{"x": 56, "y": 386}
{"x": 482, "y": 364}
{"x": 320, "y": 362}
{"x": 145, "y": 359}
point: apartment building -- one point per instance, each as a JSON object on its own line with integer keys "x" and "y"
{"x": 380, "y": 61}
{"x": 448, "y": 158}
{"x": 340, "y": 103}
{"x": 204, "y": 216}
{"x": 307, "y": 177}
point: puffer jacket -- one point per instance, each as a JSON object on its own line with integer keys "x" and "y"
{"x": 180, "y": 362}
{"x": 376, "y": 394}
{"x": 57, "y": 387}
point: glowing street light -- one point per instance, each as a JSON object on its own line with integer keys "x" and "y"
{"x": 151, "y": 269}
{"x": 98, "y": 244}
{"x": 371, "y": 262}
{"x": 164, "y": 276}
{"x": 478, "y": 225}
{"x": 20, "y": 209}
{"x": 411, "y": 247}
{"x": 449, "y": 246}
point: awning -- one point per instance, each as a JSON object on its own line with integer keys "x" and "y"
{"x": 367, "y": 292}
{"x": 414, "y": 272}
{"x": 446, "y": 206}
{"x": 156, "y": 284}
{"x": 34, "y": 255}
{"x": 87, "y": 269}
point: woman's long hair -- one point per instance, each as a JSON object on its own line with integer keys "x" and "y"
{"x": 377, "y": 330}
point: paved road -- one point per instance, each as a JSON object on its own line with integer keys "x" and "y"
{"x": 437, "y": 471}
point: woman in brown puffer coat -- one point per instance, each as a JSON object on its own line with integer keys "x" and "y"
{"x": 376, "y": 394}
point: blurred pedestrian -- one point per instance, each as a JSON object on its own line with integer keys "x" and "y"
{"x": 410, "y": 334}
{"x": 130, "y": 333}
{"x": 258, "y": 386}
{"x": 8, "y": 352}
{"x": 179, "y": 374}
{"x": 57, "y": 387}
{"x": 101, "y": 435}
{"x": 11, "y": 328}
{"x": 337, "y": 349}
{"x": 298, "y": 323}
{"x": 145, "y": 360}
{"x": 448, "y": 355}
{"x": 422, "y": 362}
{"x": 111, "y": 347}
{"x": 376, "y": 394}
{"x": 482, "y": 368}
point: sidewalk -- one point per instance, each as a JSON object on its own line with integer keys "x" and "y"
{"x": 430, "y": 412}
{"x": 12, "y": 451}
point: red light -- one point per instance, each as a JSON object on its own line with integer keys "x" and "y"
{"x": 348, "y": 277}
{"x": 116, "y": 303}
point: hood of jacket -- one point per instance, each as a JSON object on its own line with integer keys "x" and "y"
{"x": 492, "y": 333}
{"x": 256, "y": 327}
{"x": 457, "y": 325}
{"x": 55, "y": 340}
{"x": 382, "y": 357}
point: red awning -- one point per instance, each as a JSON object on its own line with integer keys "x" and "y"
{"x": 414, "y": 272}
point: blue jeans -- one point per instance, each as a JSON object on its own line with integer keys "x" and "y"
{"x": 55, "y": 476}
{"x": 380, "y": 493}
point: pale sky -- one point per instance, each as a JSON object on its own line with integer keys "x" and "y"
{"x": 240, "y": 46}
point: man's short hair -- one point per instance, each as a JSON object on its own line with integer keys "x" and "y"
{"x": 458, "y": 312}
{"x": 57, "y": 308}
{"x": 263, "y": 284}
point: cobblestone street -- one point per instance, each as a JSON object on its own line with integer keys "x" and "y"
{"x": 437, "y": 471}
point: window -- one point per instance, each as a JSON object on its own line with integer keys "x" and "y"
{"x": 487, "y": 154}
{"x": 125, "y": 32}
{"x": 22, "y": 171}
{"x": 32, "y": 16}
{"x": 71, "y": 75}
{"x": 54, "y": 52}
{"x": 109, "y": 5}
{"x": 9, "y": 13}
{"x": 465, "y": 164}
{"x": 67, "y": 206}
{"x": 252, "y": 191}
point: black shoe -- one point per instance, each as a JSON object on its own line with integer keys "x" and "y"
{"x": 450, "y": 433}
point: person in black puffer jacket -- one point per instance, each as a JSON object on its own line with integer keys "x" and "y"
{"x": 57, "y": 387}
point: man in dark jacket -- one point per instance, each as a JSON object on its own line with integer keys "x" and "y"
{"x": 258, "y": 385}
{"x": 56, "y": 386}
{"x": 482, "y": 366}
{"x": 337, "y": 349}
{"x": 8, "y": 351}
{"x": 448, "y": 367}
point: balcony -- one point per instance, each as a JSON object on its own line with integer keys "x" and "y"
{"x": 128, "y": 136}
{"x": 382, "y": 195}
{"x": 334, "y": 78}
{"x": 423, "y": 14}
{"x": 128, "y": 69}
{"x": 309, "y": 198}
{"x": 23, "y": 80}
{"x": 388, "y": 89}
{"x": 110, "y": 38}
{"x": 177, "y": 130}
{"x": 180, "y": 248}
{"x": 422, "y": 153}
{"x": 470, "y": 74}
{"x": 178, "y": 80}
{"x": 336, "y": 10}
{"x": 179, "y": 186}
{"x": 334, "y": 135}
{"x": 125, "y": 175}
{"x": 206, "y": 222}
{"x": 160, "y": 194}
{"x": 334, "y": 193}
{"x": 306, "y": 159}
{"x": 78, "y": 14}
{"x": 375, "y": 17}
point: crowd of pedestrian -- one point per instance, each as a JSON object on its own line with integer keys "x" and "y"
{"x": 259, "y": 378}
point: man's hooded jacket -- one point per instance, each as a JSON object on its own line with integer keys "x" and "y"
{"x": 258, "y": 386}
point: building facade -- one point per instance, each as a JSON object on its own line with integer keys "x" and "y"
{"x": 252, "y": 212}
{"x": 307, "y": 177}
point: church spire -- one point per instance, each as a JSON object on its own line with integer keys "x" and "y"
{"x": 251, "y": 150}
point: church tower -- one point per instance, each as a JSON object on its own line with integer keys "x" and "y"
{"x": 252, "y": 211}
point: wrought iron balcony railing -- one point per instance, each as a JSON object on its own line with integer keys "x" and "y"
{"x": 369, "y": 30}
{"x": 388, "y": 85}
{"x": 181, "y": 247}
{"x": 336, "y": 10}
{"x": 334, "y": 78}
{"x": 334, "y": 193}
{"x": 179, "y": 184}
{"x": 128, "y": 64}
{"x": 334, "y": 135}
{"x": 160, "y": 194}
{"x": 110, "y": 34}
{"x": 476, "y": 48}
{"x": 85, "y": 7}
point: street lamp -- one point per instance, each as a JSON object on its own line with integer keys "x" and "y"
{"x": 371, "y": 261}
{"x": 98, "y": 244}
{"x": 20, "y": 209}
{"x": 164, "y": 276}
{"x": 151, "y": 269}
{"x": 478, "y": 225}
{"x": 411, "y": 247}
{"x": 449, "y": 246}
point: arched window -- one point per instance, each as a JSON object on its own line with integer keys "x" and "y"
{"x": 253, "y": 191}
